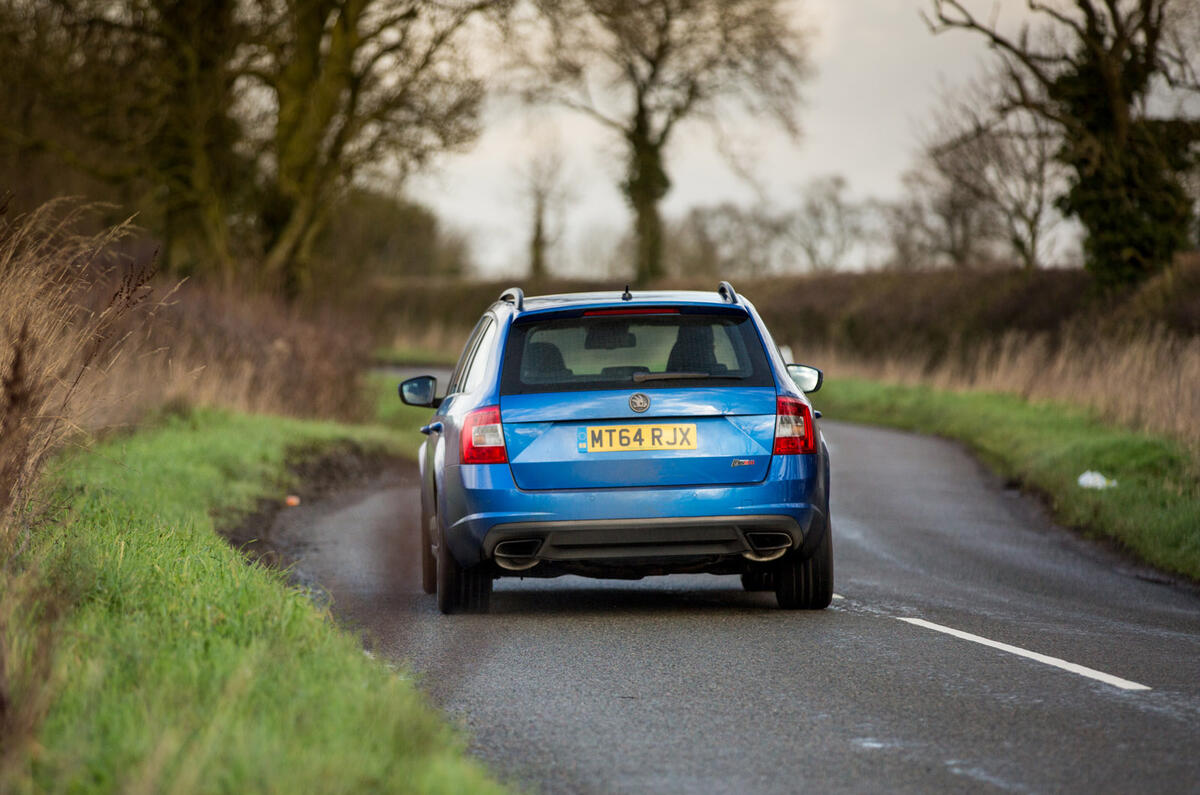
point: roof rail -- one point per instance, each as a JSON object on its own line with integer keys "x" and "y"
{"x": 725, "y": 290}
{"x": 516, "y": 296}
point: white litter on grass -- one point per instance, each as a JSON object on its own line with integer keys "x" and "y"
{"x": 1094, "y": 480}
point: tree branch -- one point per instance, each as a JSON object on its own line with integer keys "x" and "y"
{"x": 967, "y": 21}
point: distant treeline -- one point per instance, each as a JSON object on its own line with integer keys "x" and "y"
{"x": 873, "y": 315}
{"x": 933, "y": 313}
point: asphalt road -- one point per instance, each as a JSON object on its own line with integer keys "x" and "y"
{"x": 688, "y": 684}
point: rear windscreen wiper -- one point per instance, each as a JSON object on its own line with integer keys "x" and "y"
{"x": 639, "y": 378}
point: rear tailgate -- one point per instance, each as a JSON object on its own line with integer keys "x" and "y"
{"x": 687, "y": 437}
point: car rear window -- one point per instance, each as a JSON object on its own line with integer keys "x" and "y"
{"x": 633, "y": 351}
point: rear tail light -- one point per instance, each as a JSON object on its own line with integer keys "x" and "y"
{"x": 793, "y": 427}
{"x": 482, "y": 440}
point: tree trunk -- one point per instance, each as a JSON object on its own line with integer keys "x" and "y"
{"x": 537, "y": 243}
{"x": 196, "y": 240}
{"x": 648, "y": 231}
{"x": 1027, "y": 245}
{"x": 645, "y": 187}
{"x": 283, "y": 264}
{"x": 193, "y": 152}
{"x": 312, "y": 90}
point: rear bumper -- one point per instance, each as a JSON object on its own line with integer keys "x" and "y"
{"x": 483, "y": 508}
{"x": 642, "y": 540}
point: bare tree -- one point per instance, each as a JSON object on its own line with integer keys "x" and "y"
{"x": 545, "y": 192}
{"x": 729, "y": 240}
{"x": 640, "y": 68}
{"x": 691, "y": 245}
{"x": 1089, "y": 69}
{"x": 960, "y": 226}
{"x": 901, "y": 229}
{"x": 1006, "y": 160}
{"x": 827, "y": 225}
{"x": 938, "y": 222}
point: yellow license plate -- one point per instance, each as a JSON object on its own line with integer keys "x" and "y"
{"x": 616, "y": 438}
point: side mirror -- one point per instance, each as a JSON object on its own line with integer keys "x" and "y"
{"x": 420, "y": 391}
{"x": 809, "y": 379}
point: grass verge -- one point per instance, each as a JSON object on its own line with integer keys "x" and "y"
{"x": 1154, "y": 511}
{"x": 181, "y": 667}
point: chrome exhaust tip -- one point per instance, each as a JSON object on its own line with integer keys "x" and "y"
{"x": 517, "y": 554}
{"x": 766, "y": 546}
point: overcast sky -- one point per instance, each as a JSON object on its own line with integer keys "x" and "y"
{"x": 878, "y": 72}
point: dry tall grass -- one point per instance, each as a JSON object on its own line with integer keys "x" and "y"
{"x": 1148, "y": 381}
{"x": 206, "y": 347}
{"x": 82, "y": 348}
{"x": 65, "y": 307}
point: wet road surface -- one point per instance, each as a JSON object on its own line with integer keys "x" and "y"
{"x": 1091, "y": 681}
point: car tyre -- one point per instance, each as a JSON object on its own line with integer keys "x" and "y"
{"x": 428, "y": 561}
{"x": 758, "y": 579}
{"x": 461, "y": 589}
{"x": 806, "y": 583}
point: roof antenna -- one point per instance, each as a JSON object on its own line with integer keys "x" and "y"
{"x": 627, "y": 296}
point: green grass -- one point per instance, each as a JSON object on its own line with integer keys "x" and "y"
{"x": 1154, "y": 511}
{"x": 181, "y": 667}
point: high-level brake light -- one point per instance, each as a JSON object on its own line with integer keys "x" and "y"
{"x": 641, "y": 310}
{"x": 482, "y": 440}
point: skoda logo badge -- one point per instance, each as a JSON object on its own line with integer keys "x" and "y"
{"x": 639, "y": 402}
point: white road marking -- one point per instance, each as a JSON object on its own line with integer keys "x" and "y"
{"x": 1091, "y": 673}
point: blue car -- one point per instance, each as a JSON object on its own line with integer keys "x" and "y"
{"x": 622, "y": 435}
